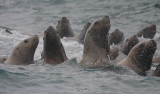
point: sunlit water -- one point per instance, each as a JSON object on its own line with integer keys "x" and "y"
{"x": 29, "y": 17}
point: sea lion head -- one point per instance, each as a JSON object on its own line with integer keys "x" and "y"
{"x": 142, "y": 54}
{"x": 96, "y": 46}
{"x": 148, "y": 31}
{"x": 83, "y": 33}
{"x": 53, "y": 50}
{"x": 23, "y": 53}
{"x": 116, "y": 37}
{"x": 3, "y": 59}
{"x": 98, "y": 31}
{"x": 64, "y": 29}
{"x": 129, "y": 44}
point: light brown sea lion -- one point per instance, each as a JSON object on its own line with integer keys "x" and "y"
{"x": 156, "y": 59}
{"x": 129, "y": 44}
{"x": 114, "y": 52}
{"x": 157, "y": 71}
{"x": 3, "y": 59}
{"x": 116, "y": 37}
{"x": 23, "y": 53}
{"x": 157, "y": 39}
{"x": 83, "y": 33}
{"x": 53, "y": 50}
{"x": 140, "y": 57}
{"x": 147, "y": 32}
{"x": 96, "y": 45}
{"x": 64, "y": 29}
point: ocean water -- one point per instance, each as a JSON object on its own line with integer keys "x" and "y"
{"x": 29, "y": 17}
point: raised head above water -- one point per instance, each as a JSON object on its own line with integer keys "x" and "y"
{"x": 140, "y": 57}
{"x": 53, "y": 50}
{"x": 83, "y": 33}
{"x": 116, "y": 37}
{"x": 96, "y": 46}
{"x": 23, "y": 53}
{"x": 64, "y": 29}
{"x": 147, "y": 32}
{"x": 129, "y": 44}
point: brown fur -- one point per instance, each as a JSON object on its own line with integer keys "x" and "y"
{"x": 114, "y": 52}
{"x": 3, "y": 59}
{"x": 147, "y": 32}
{"x": 129, "y": 44}
{"x": 157, "y": 71}
{"x": 156, "y": 59}
{"x": 83, "y": 33}
{"x": 140, "y": 57}
{"x": 116, "y": 37}
{"x": 64, "y": 29}
{"x": 96, "y": 46}
{"x": 53, "y": 51}
{"x": 23, "y": 53}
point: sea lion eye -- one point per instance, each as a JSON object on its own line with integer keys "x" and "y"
{"x": 142, "y": 45}
{"x": 95, "y": 23}
{"x": 25, "y": 41}
{"x": 17, "y": 48}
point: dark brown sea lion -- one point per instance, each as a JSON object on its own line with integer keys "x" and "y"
{"x": 64, "y": 29}
{"x": 140, "y": 57}
{"x": 96, "y": 45}
{"x": 83, "y": 33}
{"x": 129, "y": 44}
{"x": 147, "y": 32}
{"x": 23, "y": 53}
{"x": 114, "y": 52}
{"x": 53, "y": 50}
{"x": 116, "y": 37}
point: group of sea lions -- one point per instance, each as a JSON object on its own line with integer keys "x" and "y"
{"x": 96, "y": 53}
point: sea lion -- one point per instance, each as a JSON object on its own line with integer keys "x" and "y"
{"x": 83, "y": 33}
{"x": 53, "y": 51}
{"x": 114, "y": 52}
{"x": 140, "y": 57}
{"x": 147, "y": 32}
{"x": 157, "y": 71}
{"x": 64, "y": 29}
{"x": 3, "y": 59}
{"x": 23, "y": 53}
{"x": 129, "y": 44}
{"x": 96, "y": 45}
{"x": 116, "y": 37}
{"x": 156, "y": 59}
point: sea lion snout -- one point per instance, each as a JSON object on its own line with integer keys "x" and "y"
{"x": 106, "y": 20}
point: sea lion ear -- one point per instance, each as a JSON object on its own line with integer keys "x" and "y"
{"x": 142, "y": 45}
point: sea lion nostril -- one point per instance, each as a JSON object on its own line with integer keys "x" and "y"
{"x": 154, "y": 26}
{"x": 153, "y": 41}
{"x": 107, "y": 16}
